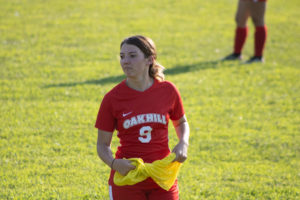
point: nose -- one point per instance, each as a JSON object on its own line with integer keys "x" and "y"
{"x": 125, "y": 60}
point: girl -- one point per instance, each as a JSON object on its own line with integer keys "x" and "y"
{"x": 139, "y": 108}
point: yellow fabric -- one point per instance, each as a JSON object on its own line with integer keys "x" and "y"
{"x": 164, "y": 172}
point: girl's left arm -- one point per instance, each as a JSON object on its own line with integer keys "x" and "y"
{"x": 183, "y": 132}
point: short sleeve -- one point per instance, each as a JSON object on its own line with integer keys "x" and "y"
{"x": 177, "y": 110}
{"x": 105, "y": 119}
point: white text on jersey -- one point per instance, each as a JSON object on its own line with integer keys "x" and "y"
{"x": 144, "y": 118}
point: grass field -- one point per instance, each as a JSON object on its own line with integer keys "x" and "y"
{"x": 58, "y": 59}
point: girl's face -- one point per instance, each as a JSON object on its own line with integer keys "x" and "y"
{"x": 133, "y": 61}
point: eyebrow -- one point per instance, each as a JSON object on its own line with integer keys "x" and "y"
{"x": 129, "y": 52}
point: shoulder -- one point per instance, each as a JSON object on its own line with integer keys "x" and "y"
{"x": 167, "y": 85}
{"x": 115, "y": 90}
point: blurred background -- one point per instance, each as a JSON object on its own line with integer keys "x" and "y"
{"x": 59, "y": 58}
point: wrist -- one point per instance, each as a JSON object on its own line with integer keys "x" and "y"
{"x": 184, "y": 142}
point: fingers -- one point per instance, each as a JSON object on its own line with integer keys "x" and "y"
{"x": 131, "y": 166}
{"x": 123, "y": 166}
{"x": 180, "y": 157}
{"x": 181, "y": 153}
{"x": 174, "y": 151}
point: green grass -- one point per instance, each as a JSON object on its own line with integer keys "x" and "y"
{"x": 58, "y": 59}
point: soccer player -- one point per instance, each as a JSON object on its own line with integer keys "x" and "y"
{"x": 256, "y": 9}
{"x": 139, "y": 108}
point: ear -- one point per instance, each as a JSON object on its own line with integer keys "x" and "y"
{"x": 150, "y": 60}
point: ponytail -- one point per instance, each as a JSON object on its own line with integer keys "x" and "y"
{"x": 156, "y": 71}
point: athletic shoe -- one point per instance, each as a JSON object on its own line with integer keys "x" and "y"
{"x": 255, "y": 59}
{"x": 233, "y": 56}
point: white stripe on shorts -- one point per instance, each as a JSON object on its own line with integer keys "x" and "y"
{"x": 110, "y": 193}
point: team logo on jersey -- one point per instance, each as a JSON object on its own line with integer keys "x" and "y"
{"x": 144, "y": 118}
{"x": 125, "y": 114}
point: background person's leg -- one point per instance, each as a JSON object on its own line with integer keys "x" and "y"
{"x": 257, "y": 11}
{"x": 241, "y": 18}
{"x": 241, "y": 30}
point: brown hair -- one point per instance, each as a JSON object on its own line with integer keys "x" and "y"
{"x": 147, "y": 46}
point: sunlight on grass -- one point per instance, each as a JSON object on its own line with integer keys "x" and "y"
{"x": 59, "y": 58}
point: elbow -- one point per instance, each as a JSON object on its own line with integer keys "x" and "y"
{"x": 180, "y": 122}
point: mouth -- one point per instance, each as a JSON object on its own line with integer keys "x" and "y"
{"x": 127, "y": 68}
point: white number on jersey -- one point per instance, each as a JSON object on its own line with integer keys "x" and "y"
{"x": 145, "y": 134}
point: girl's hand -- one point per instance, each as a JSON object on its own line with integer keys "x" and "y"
{"x": 181, "y": 151}
{"x": 123, "y": 166}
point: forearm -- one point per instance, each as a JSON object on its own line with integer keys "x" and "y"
{"x": 105, "y": 154}
{"x": 183, "y": 132}
{"x": 123, "y": 166}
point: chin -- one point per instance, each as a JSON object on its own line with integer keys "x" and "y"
{"x": 129, "y": 74}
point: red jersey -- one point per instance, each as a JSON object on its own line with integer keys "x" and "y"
{"x": 141, "y": 118}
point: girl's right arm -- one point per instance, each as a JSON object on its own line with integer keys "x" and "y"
{"x": 123, "y": 166}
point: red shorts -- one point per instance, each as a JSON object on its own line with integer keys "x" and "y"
{"x": 145, "y": 190}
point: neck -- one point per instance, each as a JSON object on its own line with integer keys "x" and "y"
{"x": 140, "y": 84}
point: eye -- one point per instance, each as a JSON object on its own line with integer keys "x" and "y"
{"x": 132, "y": 56}
{"x": 121, "y": 56}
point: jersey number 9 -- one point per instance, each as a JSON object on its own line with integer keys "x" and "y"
{"x": 145, "y": 134}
